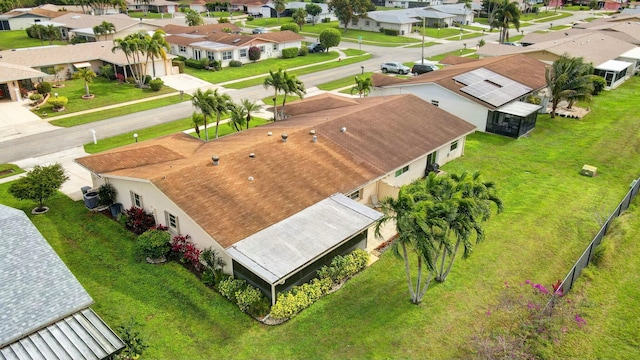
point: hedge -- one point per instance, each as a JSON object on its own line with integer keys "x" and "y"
{"x": 289, "y": 53}
{"x": 179, "y": 64}
{"x": 193, "y": 63}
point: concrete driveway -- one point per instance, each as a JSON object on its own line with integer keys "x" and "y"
{"x": 187, "y": 83}
{"x": 17, "y": 121}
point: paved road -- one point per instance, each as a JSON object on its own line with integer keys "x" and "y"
{"x": 67, "y": 138}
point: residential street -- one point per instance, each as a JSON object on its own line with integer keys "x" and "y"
{"x": 66, "y": 138}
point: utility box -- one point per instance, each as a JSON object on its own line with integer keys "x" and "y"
{"x": 589, "y": 170}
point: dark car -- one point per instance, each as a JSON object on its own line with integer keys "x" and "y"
{"x": 315, "y": 47}
{"x": 418, "y": 69}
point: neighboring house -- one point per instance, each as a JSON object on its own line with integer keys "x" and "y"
{"x": 616, "y": 60}
{"x": 401, "y": 20}
{"x": 19, "y": 19}
{"x": 214, "y": 44}
{"x": 72, "y": 57}
{"x": 488, "y": 93}
{"x": 13, "y": 77}
{"x": 46, "y": 312}
{"x": 155, "y": 6}
{"x": 279, "y": 201}
{"x": 325, "y": 14}
{"x": 81, "y": 25}
{"x": 258, "y": 8}
{"x": 463, "y": 15}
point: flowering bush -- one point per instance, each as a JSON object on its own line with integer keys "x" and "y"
{"x": 138, "y": 220}
{"x": 186, "y": 250}
{"x": 525, "y": 323}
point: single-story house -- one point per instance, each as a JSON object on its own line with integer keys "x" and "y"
{"x": 155, "y": 6}
{"x": 81, "y": 25}
{"x": 13, "y": 77}
{"x": 597, "y": 48}
{"x": 48, "y": 61}
{"x": 488, "y": 93}
{"x": 19, "y": 19}
{"x": 219, "y": 45}
{"x": 625, "y": 28}
{"x": 279, "y": 201}
{"x": 258, "y": 8}
{"x": 463, "y": 15}
{"x": 401, "y": 20}
{"x": 46, "y": 312}
{"x": 324, "y": 14}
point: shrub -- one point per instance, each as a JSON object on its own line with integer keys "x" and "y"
{"x": 215, "y": 65}
{"x": 603, "y": 253}
{"x": 247, "y": 297}
{"x": 303, "y": 51}
{"x": 235, "y": 63}
{"x": 134, "y": 345}
{"x": 58, "y": 102}
{"x": 254, "y": 53}
{"x": 392, "y": 32}
{"x": 344, "y": 267}
{"x": 193, "y": 63}
{"x": 299, "y": 298}
{"x": 186, "y": 250}
{"x": 44, "y": 88}
{"x": 326, "y": 20}
{"x": 107, "y": 194}
{"x": 154, "y": 243}
{"x": 146, "y": 79}
{"x": 230, "y": 287}
{"x": 130, "y": 80}
{"x": 107, "y": 72}
{"x": 289, "y": 53}
{"x": 249, "y": 18}
{"x": 213, "y": 265}
{"x": 138, "y": 220}
{"x": 77, "y": 40}
{"x": 223, "y": 20}
{"x": 180, "y": 58}
{"x": 36, "y": 98}
{"x": 120, "y": 78}
{"x": 156, "y": 84}
{"x": 599, "y": 83}
{"x": 179, "y": 64}
{"x": 291, "y": 27}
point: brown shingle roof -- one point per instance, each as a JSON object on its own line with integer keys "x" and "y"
{"x": 67, "y": 54}
{"x": 200, "y": 29}
{"x": 249, "y": 2}
{"x": 382, "y": 134}
{"x": 455, "y": 60}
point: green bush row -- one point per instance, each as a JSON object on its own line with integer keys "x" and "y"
{"x": 344, "y": 267}
{"x": 289, "y": 53}
{"x": 240, "y": 293}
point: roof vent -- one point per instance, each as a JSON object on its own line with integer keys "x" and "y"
{"x": 269, "y": 133}
{"x": 314, "y": 139}
{"x": 284, "y": 137}
{"x": 312, "y": 132}
{"x": 252, "y": 155}
{"x": 250, "y": 178}
{"x": 343, "y": 129}
{"x": 215, "y": 160}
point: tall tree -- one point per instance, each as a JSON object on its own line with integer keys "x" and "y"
{"x": 192, "y": 18}
{"x": 107, "y": 28}
{"x": 157, "y": 47}
{"x": 363, "y": 86}
{"x": 201, "y": 101}
{"x": 135, "y": 47}
{"x": 506, "y": 14}
{"x": 37, "y": 31}
{"x": 570, "y": 79}
{"x": 87, "y": 75}
{"x": 280, "y": 6}
{"x": 275, "y": 80}
{"x": 238, "y": 116}
{"x": 348, "y": 10}
{"x": 314, "y": 10}
{"x": 98, "y": 30}
{"x": 40, "y": 184}
{"x": 220, "y": 104}
{"x": 52, "y": 32}
{"x": 292, "y": 86}
{"x": 300, "y": 17}
{"x": 197, "y": 120}
{"x": 249, "y": 106}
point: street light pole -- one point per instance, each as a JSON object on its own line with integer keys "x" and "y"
{"x": 361, "y": 70}
{"x": 422, "y": 58}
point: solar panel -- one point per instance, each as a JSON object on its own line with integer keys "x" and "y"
{"x": 490, "y": 87}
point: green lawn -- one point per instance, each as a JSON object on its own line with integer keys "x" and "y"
{"x": 106, "y": 93}
{"x": 459, "y": 52}
{"x": 340, "y": 83}
{"x": 269, "y": 22}
{"x": 17, "y": 39}
{"x": 259, "y": 68}
{"x": 549, "y": 218}
{"x": 7, "y": 170}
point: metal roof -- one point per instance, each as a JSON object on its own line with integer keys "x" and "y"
{"x": 36, "y": 288}
{"x": 519, "y": 108}
{"x": 632, "y": 54}
{"x": 288, "y": 245}
{"x": 614, "y": 65}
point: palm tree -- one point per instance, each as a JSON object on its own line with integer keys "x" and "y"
{"x": 87, "y": 75}
{"x": 249, "y": 107}
{"x": 201, "y": 101}
{"x": 134, "y": 46}
{"x": 280, "y": 6}
{"x": 192, "y": 18}
{"x": 52, "y": 32}
{"x": 196, "y": 121}
{"x": 569, "y": 78}
{"x": 220, "y": 104}
{"x": 98, "y": 30}
{"x": 363, "y": 86}
{"x": 300, "y": 17}
{"x": 157, "y": 46}
{"x": 238, "y": 116}
{"x": 292, "y": 86}
{"x": 507, "y": 13}
{"x": 107, "y": 28}
{"x": 37, "y": 31}
{"x": 277, "y": 81}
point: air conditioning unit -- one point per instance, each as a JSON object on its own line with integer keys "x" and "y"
{"x": 589, "y": 170}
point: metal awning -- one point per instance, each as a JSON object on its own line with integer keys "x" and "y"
{"x": 519, "y": 108}
{"x": 82, "y": 65}
{"x": 283, "y": 248}
{"x": 632, "y": 54}
{"x": 614, "y": 65}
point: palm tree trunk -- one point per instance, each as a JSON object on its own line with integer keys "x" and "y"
{"x": 275, "y": 106}
{"x": 416, "y": 293}
{"x": 206, "y": 133}
{"x": 407, "y": 270}
{"x": 217, "y": 124}
{"x": 425, "y": 287}
{"x": 86, "y": 88}
{"x": 453, "y": 258}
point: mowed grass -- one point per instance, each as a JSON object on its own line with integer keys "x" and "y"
{"x": 548, "y": 220}
{"x": 18, "y": 39}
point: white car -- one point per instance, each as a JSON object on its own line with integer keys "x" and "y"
{"x": 395, "y": 67}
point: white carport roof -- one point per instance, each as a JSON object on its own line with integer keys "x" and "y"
{"x": 282, "y": 248}
{"x": 519, "y": 108}
{"x": 613, "y": 65}
{"x": 11, "y": 72}
{"x": 632, "y": 54}
{"x": 82, "y": 65}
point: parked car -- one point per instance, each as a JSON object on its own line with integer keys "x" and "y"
{"x": 394, "y": 67}
{"x": 418, "y": 69}
{"x": 259, "y": 30}
{"x": 315, "y": 47}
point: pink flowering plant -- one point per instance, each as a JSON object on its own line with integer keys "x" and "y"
{"x": 186, "y": 250}
{"x": 528, "y": 319}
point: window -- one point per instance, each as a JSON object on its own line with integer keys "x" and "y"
{"x": 435, "y": 102}
{"x": 366, "y": 22}
{"x": 243, "y": 53}
{"x": 182, "y": 49}
{"x": 275, "y": 47}
{"x": 354, "y": 195}
{"x": 172, "y": 222}
{"x": 354, "y": 22}
{"x": 454, "y": 145}
{"x": 210, "y": 55}
{"x": 196, "y": 54}
{"x": 378, "y": 24}
{"x": 227, "y": 55}
{"x": 402, "y": 171}
{"x": 136, "y": 200}
{"x": 262, "y": 49}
